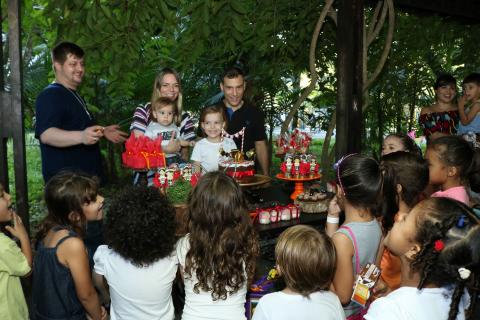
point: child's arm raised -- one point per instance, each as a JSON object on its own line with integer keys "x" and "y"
{"x": 343, "y": 279}
{"x": 73, "y": 254}
{"x": 467, "y": 117}
{"x": 333, "y": 217}
{"x": 18, "y": 230}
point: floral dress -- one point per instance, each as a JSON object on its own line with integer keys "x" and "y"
{"x": 444, "y": 122}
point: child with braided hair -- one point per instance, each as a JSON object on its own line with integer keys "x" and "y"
{"x": 437, "y": 243}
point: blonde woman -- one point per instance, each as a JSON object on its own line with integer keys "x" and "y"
{"x": 167, "y": 84}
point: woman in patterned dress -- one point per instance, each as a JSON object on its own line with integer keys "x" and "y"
{"x": 441, "y": 118}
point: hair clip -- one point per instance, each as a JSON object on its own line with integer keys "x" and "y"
{"x": 461, "y": 222}
{"x": 439, "y": 245}
{"x": 411, "y": 135}
{"x": 464, "y": 273}
{"x": 336, "y": 167}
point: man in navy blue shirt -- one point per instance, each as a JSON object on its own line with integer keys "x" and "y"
{"x": 241, "y": 114}
{"x": 67, "y": 130}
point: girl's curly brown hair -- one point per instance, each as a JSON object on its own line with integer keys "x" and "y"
{"x": 453, "y": 223}
{"x": 223, "y": 242}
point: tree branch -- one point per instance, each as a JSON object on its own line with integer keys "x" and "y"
{"x": 332, "y": 14}
{"x": 388, "y": 45}
{"x": 365, "y": 35}
{"x": 313, "y": 71}
{"x": 374, "y": 19}
{"x": 378, "y": 24}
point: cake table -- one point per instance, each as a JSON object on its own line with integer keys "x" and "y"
{"x": 298, "y": 182}
{"x": 255, "y": 180}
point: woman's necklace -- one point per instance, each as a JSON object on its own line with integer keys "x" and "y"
{"x": 79, "y": 99}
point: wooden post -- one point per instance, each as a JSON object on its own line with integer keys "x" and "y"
{"x": 4, "y": 105}
{"x": 349, "y": 76}
{"x": 16, "y": 118}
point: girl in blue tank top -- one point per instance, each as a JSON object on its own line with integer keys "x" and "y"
{"x": 62, "y": 282}
{"x": 359, "y": 185}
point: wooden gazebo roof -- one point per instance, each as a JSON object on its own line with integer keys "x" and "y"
{"x": 468, "y": 10}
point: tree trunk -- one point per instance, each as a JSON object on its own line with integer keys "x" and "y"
{"x": 327, "y": 157}
{"x": 380, "y": 118}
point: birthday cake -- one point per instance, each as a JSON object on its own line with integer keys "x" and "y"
{"x": 236, "y": 163}
{"x": 236, "y": 166}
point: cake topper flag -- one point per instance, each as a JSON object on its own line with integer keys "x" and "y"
{"x": 240, "y": 133}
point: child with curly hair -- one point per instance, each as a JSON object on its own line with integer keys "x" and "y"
{"x": 138, "y": 263}
{"x": 454, "y": 167}
{"x": 217, "y": 256}
{"x": 62, "y": 281}
{"x": 437, "y": 243}
{"x": 15, "y": 262}
{"x": 306, "y": 260}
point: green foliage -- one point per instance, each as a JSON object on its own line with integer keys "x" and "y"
{"x": 423, "y": 47}
{"x": 178, "y": 192}
{"x": 127, "y": 42}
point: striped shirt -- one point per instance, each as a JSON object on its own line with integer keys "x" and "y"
{"x": 141, "y": 119}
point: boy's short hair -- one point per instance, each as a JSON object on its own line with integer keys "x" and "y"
{"x": 61, "y": 51}
{"x": 163, "y": 102}
{"x": 472, "y": 78}
{"x": 232, "y": 72}
{"x": 306, "y": 259}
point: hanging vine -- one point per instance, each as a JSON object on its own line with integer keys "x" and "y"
{"x": 312, "y": 68}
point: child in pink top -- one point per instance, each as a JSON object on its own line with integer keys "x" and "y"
{"x": 454, "y": 167}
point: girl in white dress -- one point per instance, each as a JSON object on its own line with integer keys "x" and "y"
{"x": 437, "y": 243}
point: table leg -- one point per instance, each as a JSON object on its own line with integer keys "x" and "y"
{"x": 298, "y": 189}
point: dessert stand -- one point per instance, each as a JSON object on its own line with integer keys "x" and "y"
{"x": 298, "y": 182}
